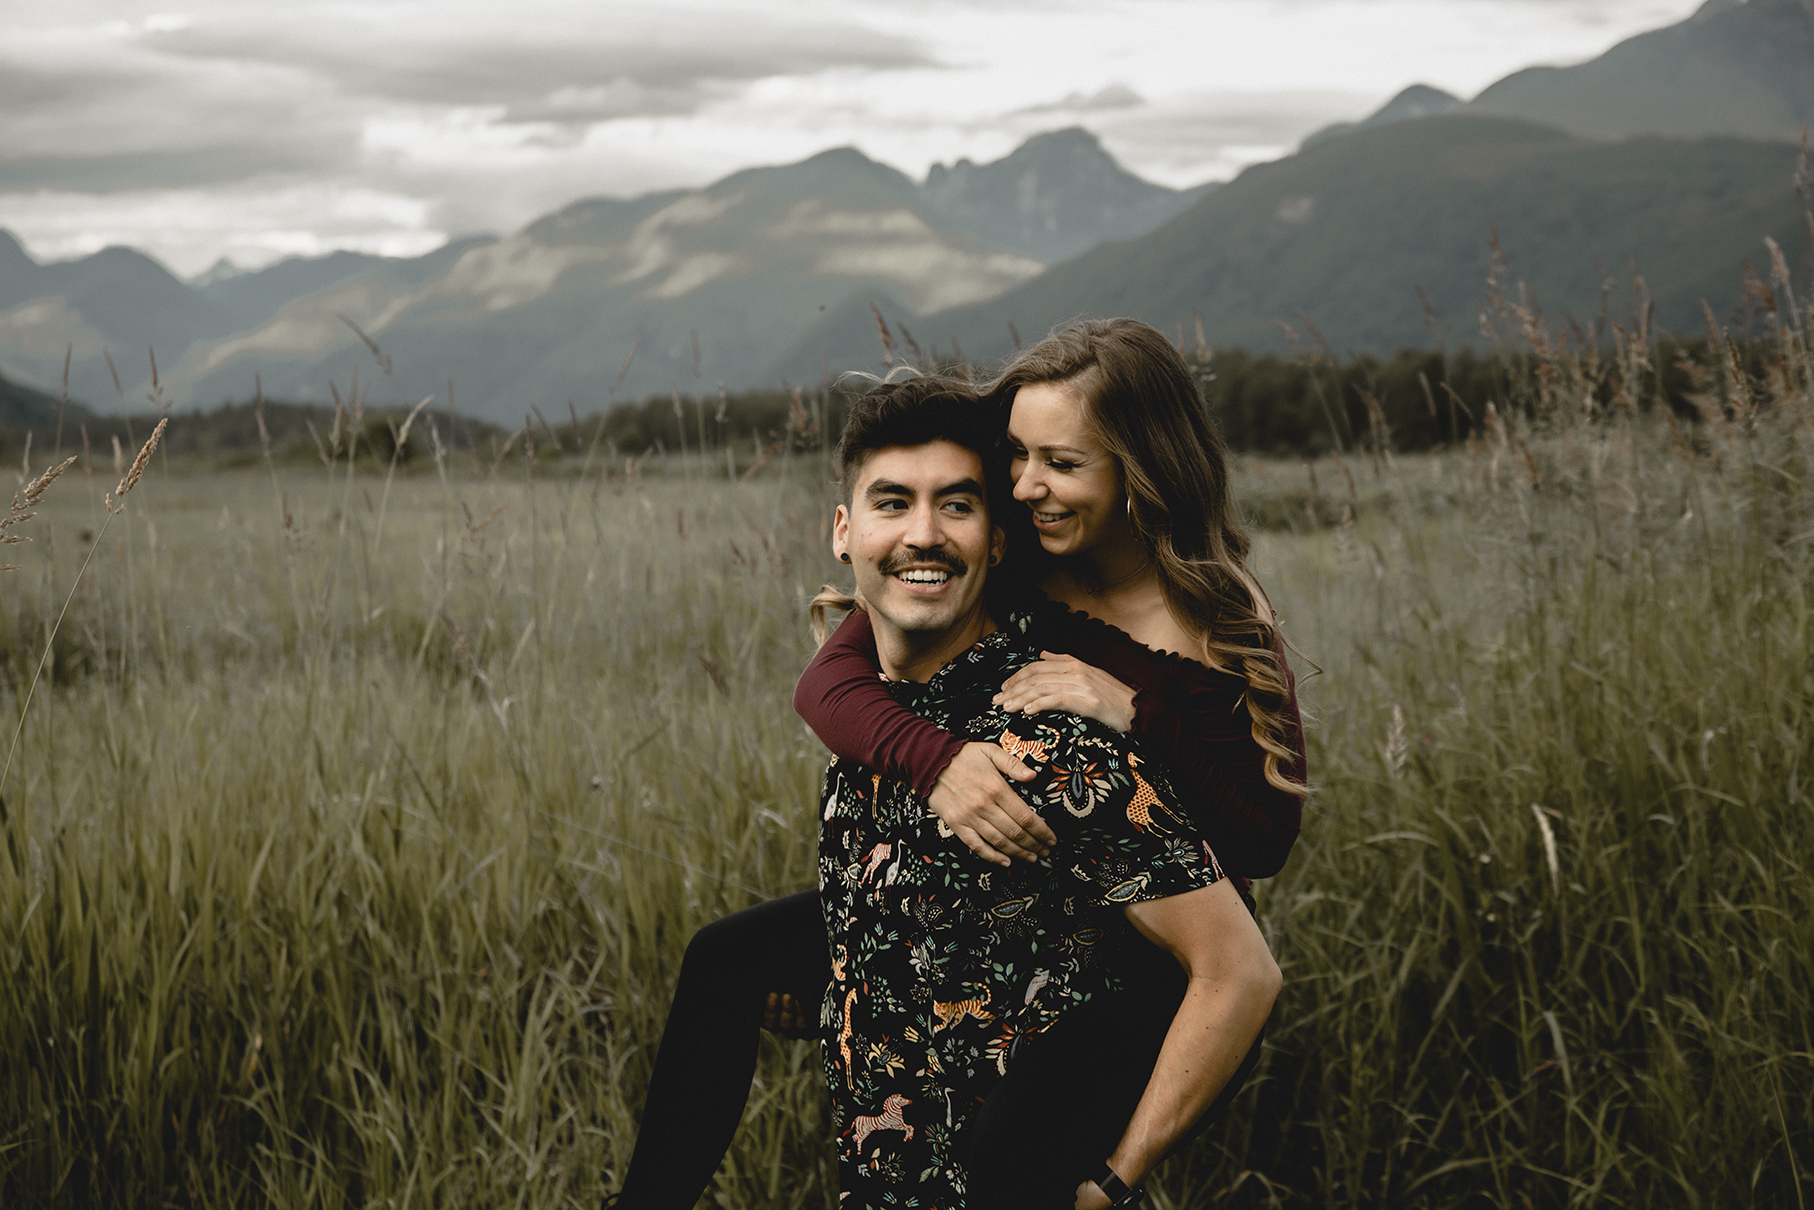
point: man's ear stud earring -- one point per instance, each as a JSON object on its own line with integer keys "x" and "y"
{"x": 843, "y": 558}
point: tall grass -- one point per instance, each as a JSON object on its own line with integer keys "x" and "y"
{"x": 351, "y": 866}
{"x": 1550, "y": 940}
{"x": 348, "y": 880}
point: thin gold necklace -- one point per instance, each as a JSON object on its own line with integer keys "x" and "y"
{"x": 1096, "y": 592}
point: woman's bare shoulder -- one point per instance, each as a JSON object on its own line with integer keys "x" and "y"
{"x": 1154, "y": 626}
{"x": 1142, "y": 617}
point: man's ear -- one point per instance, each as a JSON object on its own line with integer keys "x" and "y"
{"x": 998, "y": 544}
{"x": 840, "y": 533}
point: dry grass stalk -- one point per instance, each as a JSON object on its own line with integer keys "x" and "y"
{"x": 383, "y": 359}
{"x": 131, "y": 478}
{"x": 24, "y": 504}
{"x": 609, "y": 395}
{"x": 114, "y": 505}
{"x": 889, "y": 350}
{"x": 1397, "y": 749}
{"x": 761, "y": 460}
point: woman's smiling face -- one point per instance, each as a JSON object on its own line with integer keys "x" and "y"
{"x": 1063, "y": 473}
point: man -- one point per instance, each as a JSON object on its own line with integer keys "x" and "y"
{"x": 941, "y": 963}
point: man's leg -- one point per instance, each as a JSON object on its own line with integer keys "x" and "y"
{"x": 1052, "y": 1121}
{"x": 702, "y": 1072}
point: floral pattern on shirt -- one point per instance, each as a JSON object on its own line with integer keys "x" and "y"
{"x": 942, "y": 961}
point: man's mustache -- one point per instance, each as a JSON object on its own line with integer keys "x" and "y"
{"x": 898, "y": 562}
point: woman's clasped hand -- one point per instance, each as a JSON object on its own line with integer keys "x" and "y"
{"x": 1065, "y": 683}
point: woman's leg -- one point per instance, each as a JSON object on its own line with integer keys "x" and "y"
{"x": 702, "y": 1072}
{"x": 1052, "y": 1121}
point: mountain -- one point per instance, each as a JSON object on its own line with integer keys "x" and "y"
{"x": 550, "y": 313}
{"x": 1417, "y": 101}
{"x": 22, "y": 408}
{"x": 254, "y": 296}
{"x": 117, "y": 299}
{"x": 1736, "y": 67}
{"x": 219, "y": 271}
{"x": 17, "y": 271}
{"x": 1346, "y": 232}
{"x": 121, "y": 302}
{"x": 747, "y": 264}
{"x": 1057, "y": 196}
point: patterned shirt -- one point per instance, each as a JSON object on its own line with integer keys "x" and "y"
{"x": 940, "y": 960}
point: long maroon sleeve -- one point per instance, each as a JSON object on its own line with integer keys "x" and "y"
{"x": 1192, "y": 717}
{"x": 842, "y": 698}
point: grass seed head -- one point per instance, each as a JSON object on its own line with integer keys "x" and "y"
{"x": 24, "y": 504}
{"x": 131, "y": 478}
{"x": 35, "y": 488}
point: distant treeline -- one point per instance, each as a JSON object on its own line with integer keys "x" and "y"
{"x": 753, "y": 424}
{"x": 1420, "y": 399}
{"x": 1264, "y": 404}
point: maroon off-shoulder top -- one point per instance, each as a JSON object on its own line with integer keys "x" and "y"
{"x": 1189, "y": 715}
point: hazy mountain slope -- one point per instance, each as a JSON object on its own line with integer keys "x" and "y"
{"x": 845, "y": 338}
{"x": 117, "y": 299}
{"x": 1346, "y": 230}
{"x": 253, "y": 297}
{"x": 1058, "y": 195}
{"x": 748, "y": 263}
{"x": 123, "y": 302}
{"x": 550, "y": 313}
{"x": 22, "y": 408}
{"x": 1735, "y": 67}
{"x": 1417, "y": 101}
{"x": 18, "y": 271}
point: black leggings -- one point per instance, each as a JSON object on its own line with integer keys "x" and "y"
{"x": 1047, "y": 1127}
{"x": 708, "y": 1047}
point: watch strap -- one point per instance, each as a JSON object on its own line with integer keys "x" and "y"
{"x": 1117, "y": 1189}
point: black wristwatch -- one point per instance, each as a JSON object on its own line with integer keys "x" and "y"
{"x": 1116, "y": 1188}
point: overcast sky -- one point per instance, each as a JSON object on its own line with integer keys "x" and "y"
{"x": 254, "y": 130}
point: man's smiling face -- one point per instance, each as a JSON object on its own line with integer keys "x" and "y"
{"x": 919, "y": 537}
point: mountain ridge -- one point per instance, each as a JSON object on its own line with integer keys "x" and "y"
{"x": 1416, "y": 101}
{"x": 549, "y": 313}
{"x": 876, "y": 229}
{"x": 259, "y": 294}
{"x": 1094, "y": 197}
{"x": 1732, "y": 68}
{"x": 1347, "y": 232}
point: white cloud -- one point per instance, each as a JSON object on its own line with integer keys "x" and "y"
{"x": 189, "y": 229}
{"x": 1110, "y": 97}
{"x": 1194, "y": 137}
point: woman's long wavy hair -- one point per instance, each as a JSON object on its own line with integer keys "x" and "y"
{"x": 1142, "y": 403}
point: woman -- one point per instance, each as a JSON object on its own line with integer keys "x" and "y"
{"x": 1169, "y": 638}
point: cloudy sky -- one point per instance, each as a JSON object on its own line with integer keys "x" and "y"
{"x": 254, "y": 130}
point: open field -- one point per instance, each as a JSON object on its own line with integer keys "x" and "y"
{"x": 355, "y": 833}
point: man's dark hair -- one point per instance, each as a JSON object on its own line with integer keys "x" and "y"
{"x": 917, "y": 411}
